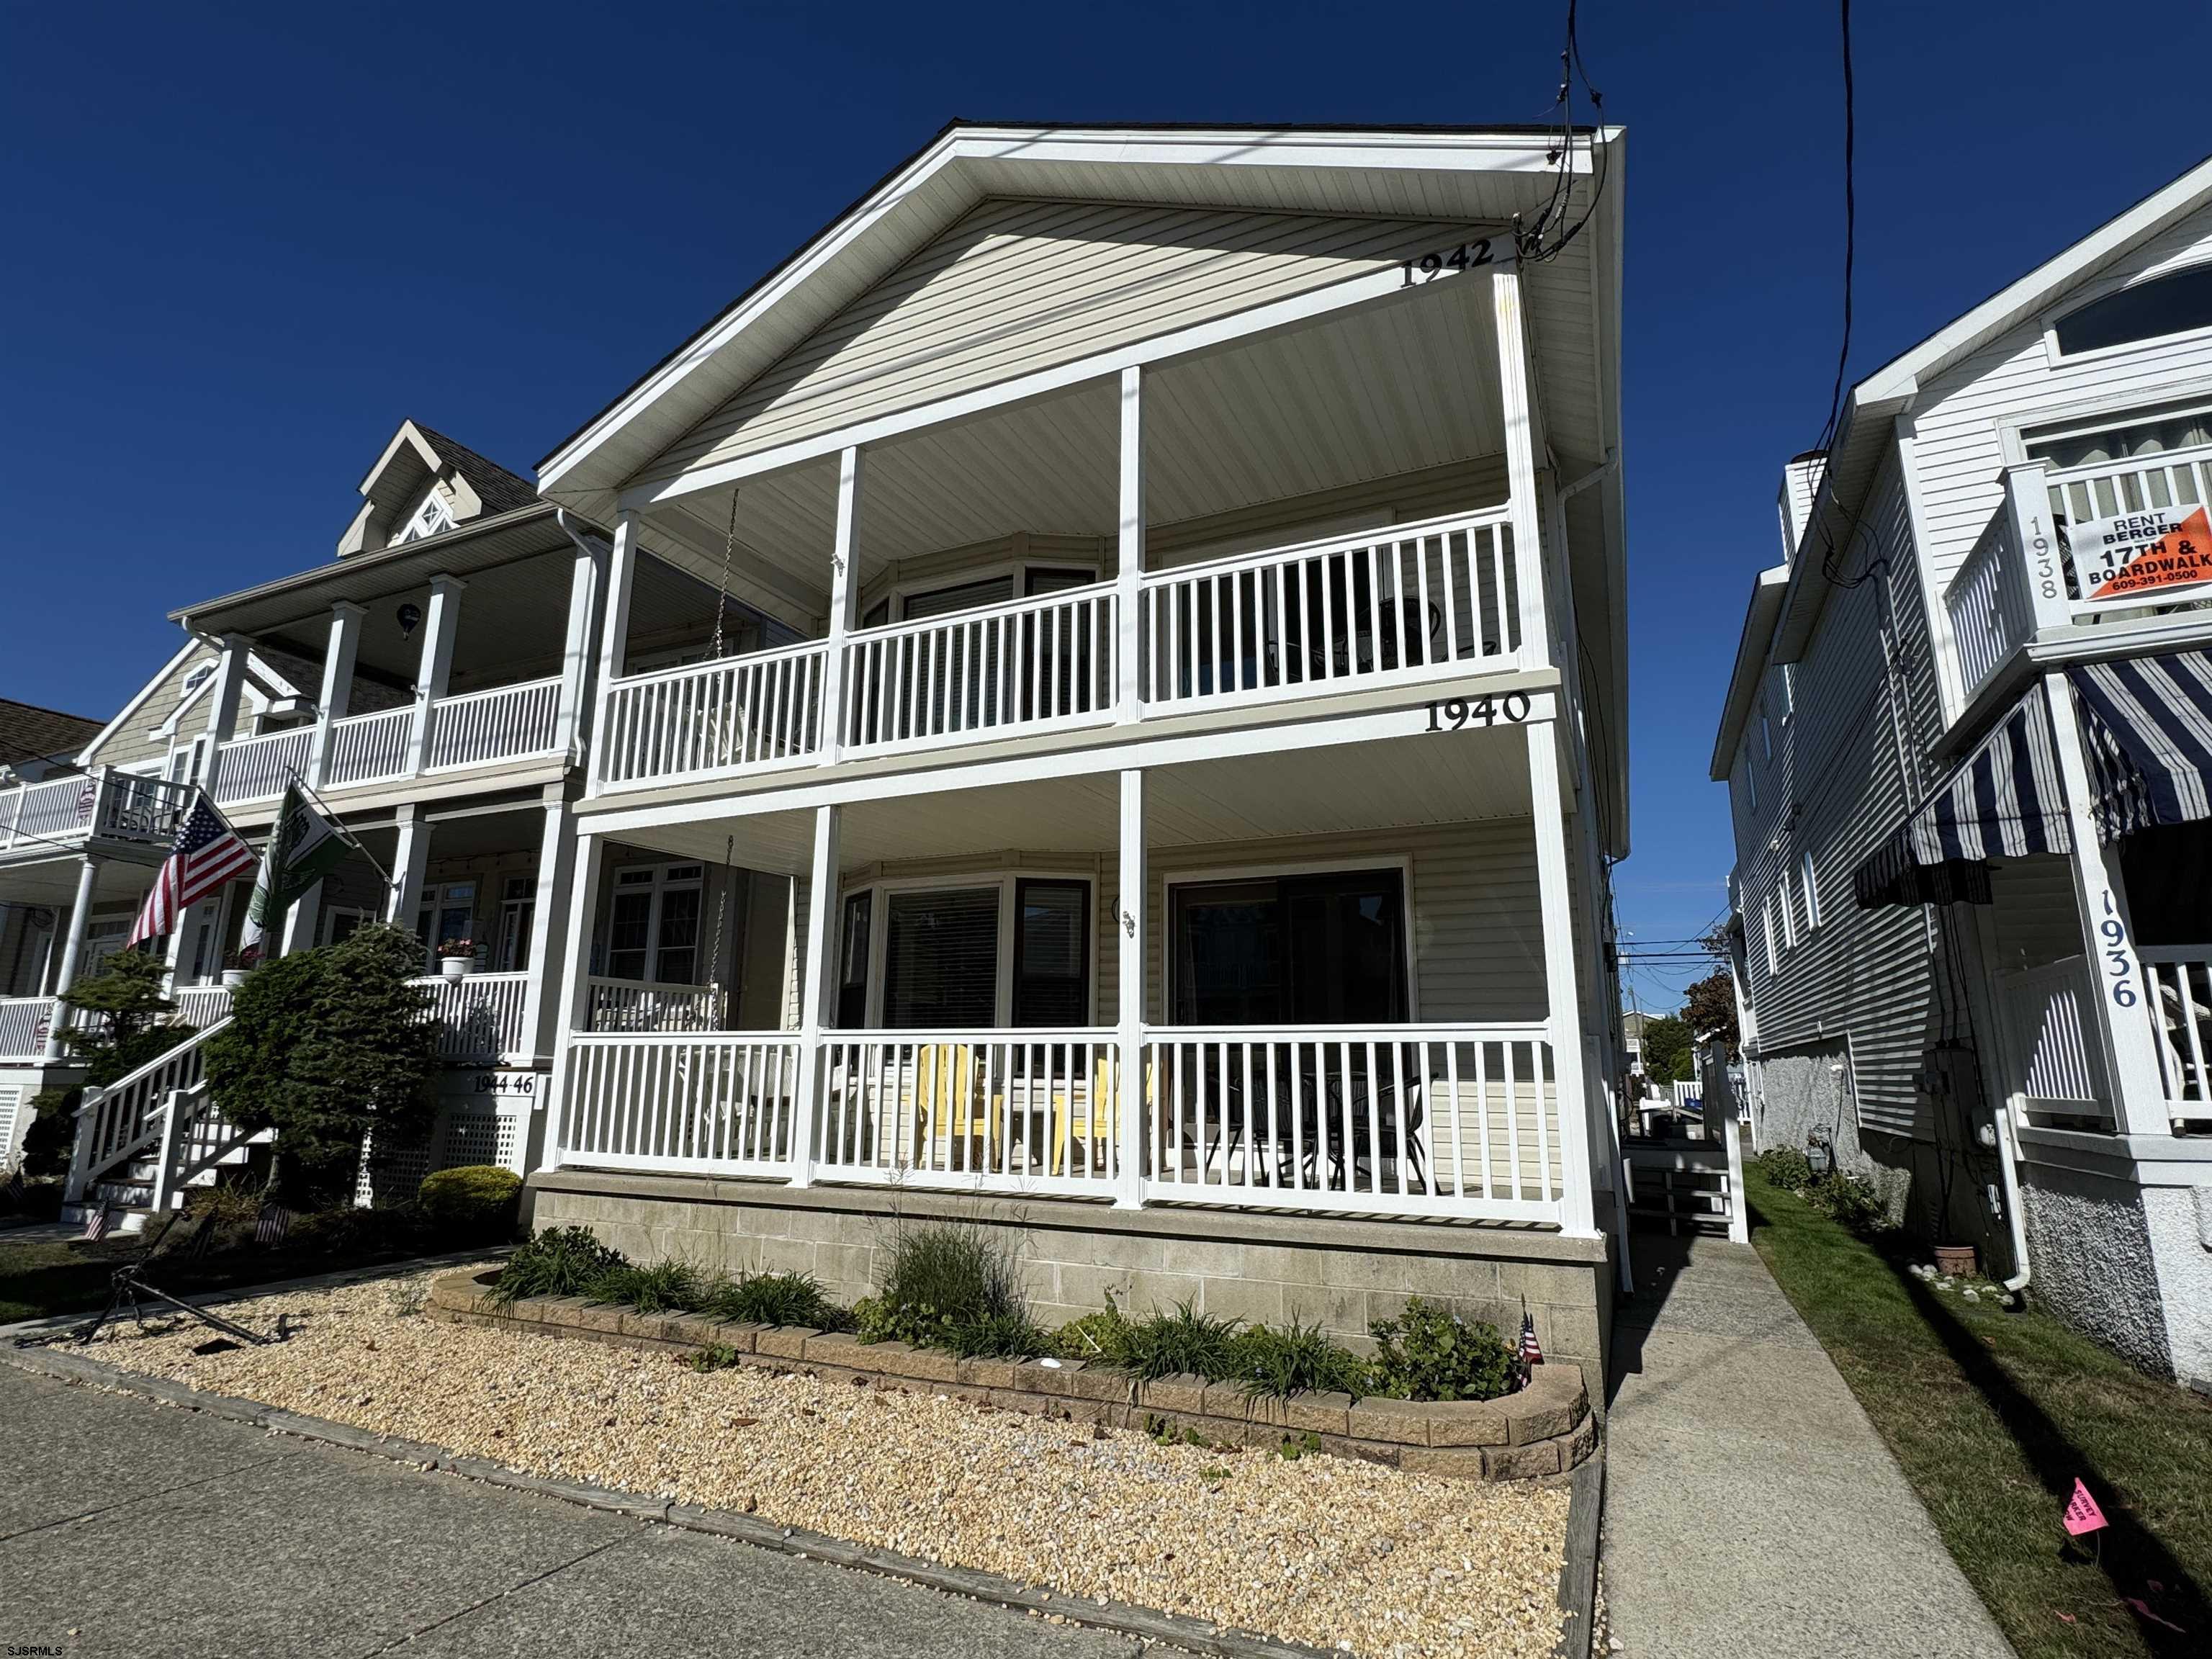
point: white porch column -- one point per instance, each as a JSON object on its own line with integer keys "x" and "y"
{"x": 1520, "y": 461}
{"x": 1564, "y": 1016}
{"x": 816, "y": 991}
{"x": 437, "y": 664}
{"x": 844, "y": 593}
{"x": 1130, "y": 893}
{"x": 586, "y": 861}
{"x": 2035, "y": 544}
{"x": 2124, "y": 1031}
{"x": 302, "y": 920}
{"x": 1129, "y": 568}
{"x": 88, "y": 880}
{"x": 585, "y": 583}
{"x": 409, "y": 859}
{"x": 557, "y": 866}
{"x": 223, "y": 706}
{"x": 337, "y": 686}
{"x": 614, "y": 635}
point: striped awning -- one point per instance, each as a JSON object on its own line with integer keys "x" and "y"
{"x": 2002, "y": 800}
{"x": 2147, "y": 723}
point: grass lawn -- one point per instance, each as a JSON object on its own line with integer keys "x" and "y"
{"x": 1992, "y": 1415}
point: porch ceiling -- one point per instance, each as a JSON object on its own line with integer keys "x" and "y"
{"x": 1393, "y": 389}
{"x": 1447, "y": 778}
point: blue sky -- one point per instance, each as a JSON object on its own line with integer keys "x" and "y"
{"x": 247, "y": 241}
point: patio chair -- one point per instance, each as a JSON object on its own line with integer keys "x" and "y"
{"x": 1097, "y": 1120}
{"x": 949, "y": 1107}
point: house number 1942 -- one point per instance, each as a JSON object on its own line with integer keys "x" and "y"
{"x": 1455, "y": 713}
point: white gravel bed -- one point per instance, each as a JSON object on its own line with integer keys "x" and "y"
{"x": 1320, "y": 1550}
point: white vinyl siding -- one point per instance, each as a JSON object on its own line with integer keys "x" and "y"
{"x": 1017, "y": 287}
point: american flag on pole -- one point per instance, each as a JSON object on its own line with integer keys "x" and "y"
{"x": 206, "y": 853}
{"x": 271, "y": 1225}
{"x": 1531, "y": 1353}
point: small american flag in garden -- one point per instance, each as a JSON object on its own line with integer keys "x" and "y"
{"x": 206, "y": 853}
{"x": 1531, "y": 1352}
{"x": 14, "y": 1190}
{"x": 95, "y": 1222}
{"x": 274, "y": 1221}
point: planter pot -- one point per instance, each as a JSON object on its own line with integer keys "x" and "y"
{"x": 1956, "y": 1260}
{"x": 457, "y": 967}
{"x": 235, "y": 977}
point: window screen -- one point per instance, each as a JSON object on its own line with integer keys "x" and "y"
{"x": 1052, "y": 935}
{"x": 677, "y": 957}
{"x": 941, "y": 959}
{"x": 2172, "y": 304}
{"x": 1300, "y": 950}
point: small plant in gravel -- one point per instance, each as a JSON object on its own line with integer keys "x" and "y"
{"x": 1277, "y": 1361}
{"x": 557, "y": 1261}
{"x": 1181, "y": 1339}
{"x": 1294, "y": 1447}
{"x": 774, "y": 1299}
{"x": 1429, "y": 1352}
{"x": 715, "y": 1357}
{"x": 665, "y": 1287}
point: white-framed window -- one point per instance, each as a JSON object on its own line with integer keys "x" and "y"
{"x": 1809, "y": 877}
{"x": 448, "y": 913}
{"x": 518, "y": 914}
{"x": 1789, "y": 908}
{"x": 1766, "y": 928}
{"x": 1012, "y": 950}
{"x": 432, "y": 516}
{"x": 342, "y": 921}
{"x": 1750, "y": 777}
{"x": 654, "y": 918}
{"x": 2130, "y": 435}
{"x": 2172, "y": 305}
{"x": 1766, "y": 732}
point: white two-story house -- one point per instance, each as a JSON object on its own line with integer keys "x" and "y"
{"x": 1968, "y": 742}
{"x": 1192, "y": 738}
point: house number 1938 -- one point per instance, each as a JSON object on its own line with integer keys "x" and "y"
{"x": 1455, "y": 713}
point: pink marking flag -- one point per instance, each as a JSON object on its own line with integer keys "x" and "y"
{"x": 2083, "y": 1514}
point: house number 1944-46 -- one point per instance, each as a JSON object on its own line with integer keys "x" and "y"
{"x": 1456, "y": 713}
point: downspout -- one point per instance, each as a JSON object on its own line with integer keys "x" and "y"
{"x": 2007, "y": 1151}
{"x": 1597, "y": 474}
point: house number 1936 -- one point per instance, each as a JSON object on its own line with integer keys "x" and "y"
{"x": 2118, "y": 964}
{"x": 1455, "y": 713}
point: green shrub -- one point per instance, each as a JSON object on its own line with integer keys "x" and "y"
{"x": 717, "y": 1357}
{"x": 949, "y": 1286}
{"x": 665, "y": 1287}
{"x": 558, "y": 1261}
{"x": 1786, "y": 1167}
{"x": 998, "y": 1336}
{"x": 350, "y": 1229}
{"x": 1849, "y": 1200}
{"x": 1182, "y": 1339}
{"x": 50, "y": 1135}
{"x": 1277, "y": 1361}
{"x": 475, "y": 1204}
{"x": 1429, "y": 1352}
{"x": 1098, "y": 1339}
{"x": 774, "y": 1299}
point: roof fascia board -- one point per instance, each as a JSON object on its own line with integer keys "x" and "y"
{"x": 130, "y": 709}
{"x": 1767, "y": 589}
{"x": 408, "y": 433}
{"x": 1215, "y": 146}
{"x": 1376, "y": 289}
{"x": 370, "y": 560}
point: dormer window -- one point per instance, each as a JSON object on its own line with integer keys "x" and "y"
{"x": 2179, "y": 302}
{"x": 432, "y": 516}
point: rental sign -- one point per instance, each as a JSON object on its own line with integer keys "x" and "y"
{"x": 2136, "y": 553}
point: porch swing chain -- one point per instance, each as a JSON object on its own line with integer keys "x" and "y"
{"x": 722, "y": 913}
{"x": 722, "y": 590}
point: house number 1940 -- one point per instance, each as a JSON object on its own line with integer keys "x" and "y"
{"x": 1455, "y": 713}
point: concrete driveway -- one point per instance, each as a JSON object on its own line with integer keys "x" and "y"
{"x": 131, "y": 1529}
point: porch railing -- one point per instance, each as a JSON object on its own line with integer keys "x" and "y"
{"x": 1025, "y": 1111}
{"x": 2178, "y": 983}
{"x": 118, "y": 806}
{"x": 117, "y": 1124}
{"x": 1988, "y": 602}
{"x": 1402, "y": 1119}
{"x": 505, "y": 723}
{"x": 25, "y": 1022}
{"x": 1026, "y": 665}
{"x": 479, "y": 1016}
{"x": 2178, "y": 479}
{"x": 638, "y": 1005}
{"x": 746, "y": 712}
{"x": 202, "y": 1005}
{"x": 260, "y": 767}
{"x": 366, "y": 747}
{"x": 2047, "y": 1016}
{"x": 1426, "y": 599}
{"x": 721, "y": 1103}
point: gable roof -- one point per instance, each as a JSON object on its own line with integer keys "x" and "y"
{"x": 415, "y": 459}
{"x": 498, "y": 490}
{"x": 29, "y": 733}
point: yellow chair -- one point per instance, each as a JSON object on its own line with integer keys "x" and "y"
{"x": 948, "y": 1106}
{"x": 1097, "y": 1120}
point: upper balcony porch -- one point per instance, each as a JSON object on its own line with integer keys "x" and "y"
{"x": 1337, "y": 519}
{"x": 2082, "y": 560}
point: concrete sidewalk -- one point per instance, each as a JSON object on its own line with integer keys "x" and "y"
{"x": 1750, "y": 1507}
{"x": 130, "y": 1528}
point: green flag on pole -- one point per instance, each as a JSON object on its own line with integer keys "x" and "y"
{"x": 303, "y": 848}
